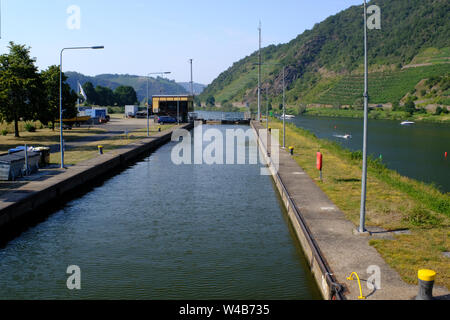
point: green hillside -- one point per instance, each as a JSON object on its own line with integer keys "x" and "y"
{"x": 139, "y": 83}
{"x": 325, "y": 65}
{"x": 385, "y": 87}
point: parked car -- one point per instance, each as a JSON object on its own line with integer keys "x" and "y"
{"x": 166, "y": 119}
{"x": 141, "y": 115}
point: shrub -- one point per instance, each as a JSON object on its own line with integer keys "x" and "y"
{"x": 4, "y": 132}
{"x": 438, "y": 111}
{"x": 29, "y": 127}
{"x": 420, "y": 216}
{"x": 422, "y": 111}
{"x": 357, "y": 155}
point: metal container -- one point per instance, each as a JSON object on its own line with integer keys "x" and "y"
{"x": 11, "y": 167}
{"x": 44, "y": 159}
{"x": 33, "y": 161}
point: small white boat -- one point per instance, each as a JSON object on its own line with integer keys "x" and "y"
{"x": 406, "y": 123}
{"x": 346, "y": 136}
{"x": 288, "y": 116}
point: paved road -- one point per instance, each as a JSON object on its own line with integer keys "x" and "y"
{"x": 113, "y": 128}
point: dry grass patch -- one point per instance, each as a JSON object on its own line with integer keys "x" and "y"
{"x": 90, "y": 150}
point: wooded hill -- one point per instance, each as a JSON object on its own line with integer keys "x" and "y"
{"x": 157, "y": 85}
{"x": 325, "y": 65}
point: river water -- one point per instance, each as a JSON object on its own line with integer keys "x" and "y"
{"x": 415, "y": 151}
{"x": 161, "y": 231}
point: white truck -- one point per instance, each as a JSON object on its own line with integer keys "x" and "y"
{"x": 131, "y": 111}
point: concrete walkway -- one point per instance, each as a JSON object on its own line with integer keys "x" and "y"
{"x": 344, "y": 251}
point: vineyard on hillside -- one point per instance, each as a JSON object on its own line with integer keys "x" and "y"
{"x": 384, "y": 87}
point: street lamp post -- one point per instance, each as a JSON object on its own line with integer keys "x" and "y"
{"x": 61, "y": 137}
{"x": 284, "y": 98}
{"x": 267, "y": 109}
{"x": 259, "y": 75}
{"x": 148, "y": 114}
{"x": 362, "y": 228}
{"x": 284, "y": 108}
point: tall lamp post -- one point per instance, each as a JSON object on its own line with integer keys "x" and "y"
{"x": 148, "y": 114}
{"x": 61, "y": 142}
{"x": 259, "y": 75}
{"x": 284, "y": 98}
{"x": 362, "y": 218}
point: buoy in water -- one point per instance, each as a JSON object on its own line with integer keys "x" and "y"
{"x": 445, "y": 155}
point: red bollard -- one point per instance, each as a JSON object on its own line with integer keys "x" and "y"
{"x": 319, "y": 163}
{"x": 445, "y": 154}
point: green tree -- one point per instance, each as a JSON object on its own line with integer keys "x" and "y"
{"x": 20, "y": 84}
{"x": 125, "y": 95}
{"x": 210, "y": 101}
{"x": 105, "y": 96}
{"x": 197, "y": 101}
{"x": 50, "y": 111}
{"x": 410, "y": 107}
{"x": 90, "y": 92}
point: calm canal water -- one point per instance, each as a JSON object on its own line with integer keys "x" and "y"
{"x": 161, "y": 231}
{"x": 415, "y": 151}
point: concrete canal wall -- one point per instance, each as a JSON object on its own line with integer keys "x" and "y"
{"x": 35, "y": 194}
{"x": 333, "y": 249}
{"x": 327, "y": 284}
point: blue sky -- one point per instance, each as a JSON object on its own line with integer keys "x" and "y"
{"x": 143, "y": 36}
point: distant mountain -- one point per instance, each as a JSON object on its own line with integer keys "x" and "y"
{"x": 324, "y": 65}
{"x": 139, "y": 83}
{"x": 198, "y": 88}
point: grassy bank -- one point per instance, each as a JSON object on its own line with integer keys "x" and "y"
{"x": 90, "y": 150}
{"x": 76, "y": 153}
{"x": 377, "y": 115}
{"x": 47, "y": 137}
{"x": 393, "y": 202}
{"x": 44, "y": 137}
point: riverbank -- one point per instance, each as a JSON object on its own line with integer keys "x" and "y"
{"x": 394, "y": 202}
{"x": 30, "y": 197}
{"x": 378, "y": 115}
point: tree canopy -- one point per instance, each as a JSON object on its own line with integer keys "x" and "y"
{"x": 20, "y": 86}
{"x": 26, "y": 94}
{"x": 49, "y": 110}
{"x": 103, "y": 96}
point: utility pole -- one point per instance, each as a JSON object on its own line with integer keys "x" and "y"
{"x": 78, "y": 95}
{"x": 192, "y": 80}
{"x": 148, "y": 98}
{"x": 259, "y": 75}
{"x": 362, "y": 221}
{"x": 267, "y": 109}
{"x": 284, "y": 108}
{"x": 61, "y": 136}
